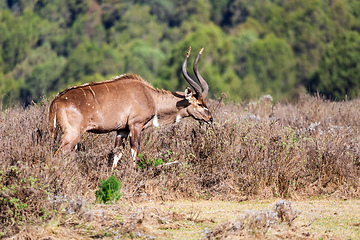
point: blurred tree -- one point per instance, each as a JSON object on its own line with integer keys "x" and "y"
{"x": 19, "y": 35}
{"x": 112, "y": 10}
{"x": 87, "y": 59}
{"x": 54, "y": 11}
{"x": 71, "y": 26}
{"x": 64, "y": 12}
{"x": 306, "y": 29}
{"x": 43, "y": 77}
{"x": 340, "y": 13}
{"x": 214, "y": 66}
{"x": 338, "y": 75}
{"x": 136, "y": 23}
{"x": 194, "y": 10}
{"x": 82, "y": 61}
{"x": 18, "y": 6}
{"x": 270, "y": 16}
{"x": 219, "y": 8}
{"x": 85, "y": 28}
{"x": 272, "y": 62}
{"x": 3, "y": 6}
{"x": 252, "y": 46}
{"x": 175, "y": 12}
{"x": 142, "y": 59}
{"x": 242, "y": 42}
{"x": 234, "y": 13}
{"x": 250, "y": 88}
{"x": 77, "y": 7}
{"x": 354, "y": 8}
{"x": 9, "y": 91}
{"x": 163, "y": 9}
{"x": 38, "y": 56}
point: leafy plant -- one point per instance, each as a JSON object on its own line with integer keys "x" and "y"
{"x": 109, "y": 190}
{"x": 143, "y": 163}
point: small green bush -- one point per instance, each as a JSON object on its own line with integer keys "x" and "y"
{"x": 143, "y": 163}
{"x": 108, "y": 190}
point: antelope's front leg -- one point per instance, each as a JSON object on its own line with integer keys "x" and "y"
{"x": 135, "y": 132}
{"x": 121, "y": 135}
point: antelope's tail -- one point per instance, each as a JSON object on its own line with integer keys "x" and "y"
{"x": 52, "y": 118}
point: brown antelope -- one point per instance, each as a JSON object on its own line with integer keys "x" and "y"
{"x": 126, "y": 104}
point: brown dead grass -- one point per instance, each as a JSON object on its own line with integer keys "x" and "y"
{"x": 257, "y": 150}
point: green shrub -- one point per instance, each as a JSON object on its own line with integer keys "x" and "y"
{"x": 143, "y": 163}
{"x": 108, "y": 190}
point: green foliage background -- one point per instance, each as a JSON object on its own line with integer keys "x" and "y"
{"x": 278, "y": 47}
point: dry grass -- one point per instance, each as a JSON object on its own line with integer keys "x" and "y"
{"x": 253, "y": 151}
{"x": 204, "y": 219}
{"x": 317, "y": 219}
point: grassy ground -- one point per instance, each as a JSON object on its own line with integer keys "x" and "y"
{"x": 319, "y": 219}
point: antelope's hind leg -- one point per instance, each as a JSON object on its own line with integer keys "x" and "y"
{"x": 68, "y": 119}
{"x": 69, "y": 142}
{"x": 121, "y": 135}
{"x": 135, "y": 136}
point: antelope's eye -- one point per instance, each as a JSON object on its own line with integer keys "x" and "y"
{"x": 200, "y": 105}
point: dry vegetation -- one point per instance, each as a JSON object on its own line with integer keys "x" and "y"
{"x": 252, "y": 151}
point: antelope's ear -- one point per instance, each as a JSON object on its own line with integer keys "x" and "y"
{"x": 188, "y": 93}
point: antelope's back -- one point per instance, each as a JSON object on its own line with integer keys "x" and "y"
{"x": 110, "y": 103}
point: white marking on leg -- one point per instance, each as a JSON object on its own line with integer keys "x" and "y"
{"x": 178, "y": 118}
{"x": 133, "y": 154}
{"x": 55, "y": 121}
{"x": 116, "y": 159}
{"x": 156, "y": 122}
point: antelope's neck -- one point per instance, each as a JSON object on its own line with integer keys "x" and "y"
{"x": 170, "y": 107}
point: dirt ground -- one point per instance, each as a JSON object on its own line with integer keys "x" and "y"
{"x": 319, "y": 218}
{"x": 316, "y": 219}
